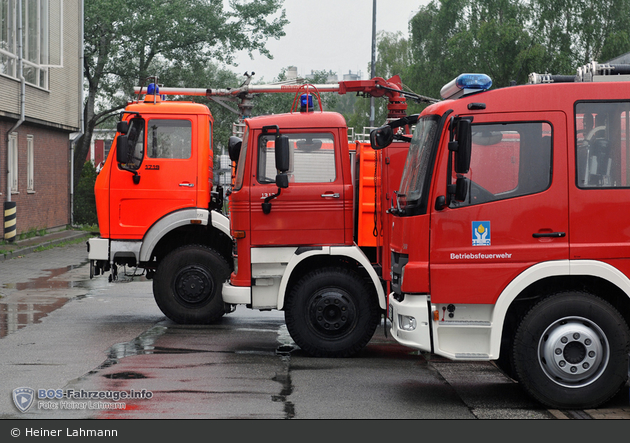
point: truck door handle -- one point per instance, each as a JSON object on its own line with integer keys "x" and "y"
{"x": 335, "y": 195}
{"x": 190, "y": 185}
{"x": 549, "y": 234}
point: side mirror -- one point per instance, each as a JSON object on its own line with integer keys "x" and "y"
{"x": 283, "y": 154}
{"x": 464, "y": 147}
{"x": 283, "y": 164}
{"x": 122, "y": 149}
{"x": 456, "y": 192}
{"x": 234, "y": 148}
{"x": 461, "y": 189}
{"x": 122, "y": 127}
{"x": 282, "y": 180}
{"x": 381, "y": 137}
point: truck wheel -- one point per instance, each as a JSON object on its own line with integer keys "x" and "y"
{"x": 571, "y": 351}
{"x": 331, "y": 313}
{"x": 187, "y": 285}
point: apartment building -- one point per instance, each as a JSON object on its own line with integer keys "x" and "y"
{"x": 41, "y": 47}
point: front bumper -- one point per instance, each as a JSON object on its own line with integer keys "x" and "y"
{"x": 236, "y": 295}
{"x": 410, "y": 321}
{"x": 98, "y": 249}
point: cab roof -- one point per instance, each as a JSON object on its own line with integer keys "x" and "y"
{"x": 148, "y": 105}
{"x": 532, "y": 98}
{"x": 299, "y": 120}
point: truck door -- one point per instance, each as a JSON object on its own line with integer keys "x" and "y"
{"x": 165, "y": 160}
{"x": 515, "y": 213}
{"x": 311, "y": 211}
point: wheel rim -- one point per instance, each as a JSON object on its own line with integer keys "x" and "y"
{"x": 193, "y": 285}
{"x": 332, "y": 312}
{"x": 573, "y": 352}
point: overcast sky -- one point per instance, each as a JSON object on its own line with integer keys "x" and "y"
{"x": 329, "y": 35}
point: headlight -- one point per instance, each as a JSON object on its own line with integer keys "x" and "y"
{"x": 406, "y": 322}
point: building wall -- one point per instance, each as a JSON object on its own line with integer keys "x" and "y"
{"x": 59, "y": 105}
{"x": 48, "y": 204}
{"x": 51, "y": 115}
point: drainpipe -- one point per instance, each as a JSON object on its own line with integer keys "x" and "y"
{"x": 73, "y": 142}
{"x": 20, "y": 75}
{"x": 9, "y": 207}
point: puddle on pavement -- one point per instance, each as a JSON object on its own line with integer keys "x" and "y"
{"x": 14, "y": 316}
{"x": 30, "y": 301}
{"x": 143, "y": 344}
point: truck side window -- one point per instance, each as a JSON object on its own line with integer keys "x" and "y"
{"x": 169, "y": 139}
{"x": 240, "y": 167}
{"x": 508, "y": 160}
{"x": 602, "y": 146}
{"x": 136, "y": 132}
{"x": 312, "y": 158}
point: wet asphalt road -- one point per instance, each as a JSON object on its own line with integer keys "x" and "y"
{"x": 59, "y": 330}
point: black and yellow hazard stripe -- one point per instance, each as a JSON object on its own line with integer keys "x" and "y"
{"x": 10, "y": 220}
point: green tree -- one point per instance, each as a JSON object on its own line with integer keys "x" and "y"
{"x": 126, "y": 42}
{"x": 580, "y": 31}
{"x": 431, "y": 29}
{"x": 450, "y": 37}
{"x": 84, "y": 199}
{"x": 393, "y": 57}
{"x": 225, "y": 113}
{"x": 265, "y": 104}
{"x": 509, "y": 39}
{"x": 393, "y": 54}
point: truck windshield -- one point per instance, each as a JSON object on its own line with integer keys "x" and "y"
{"x": 417, "y": 167}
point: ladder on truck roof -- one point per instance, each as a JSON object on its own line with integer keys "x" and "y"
{"x": 591, "y": 72}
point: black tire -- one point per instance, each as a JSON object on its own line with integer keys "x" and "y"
{"x": 332, "y": 313}
{"x": 187, "y": 285}
{"x": 571, "y": 351}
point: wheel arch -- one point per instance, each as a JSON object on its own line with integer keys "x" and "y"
{"x": 544, "y": 280}
{"x": 189, "y": 226}
{"x": 305, "y": 260}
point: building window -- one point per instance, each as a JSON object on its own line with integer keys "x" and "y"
{"x": 13, "y": 162}
{"x": 30, "y": 164}
{"x": 7, "y": 37}
{"x": 36, "y": 42}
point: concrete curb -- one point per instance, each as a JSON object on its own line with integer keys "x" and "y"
{"x": 27, "y": 249}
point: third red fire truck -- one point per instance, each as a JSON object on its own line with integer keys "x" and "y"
{"x": 510, "y": 234}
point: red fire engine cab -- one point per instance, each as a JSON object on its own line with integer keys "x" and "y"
{"x": 510, "y": 239}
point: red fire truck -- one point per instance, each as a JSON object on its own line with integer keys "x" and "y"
{"x": 509, "y": 237}
{"x": 311, "y": 244}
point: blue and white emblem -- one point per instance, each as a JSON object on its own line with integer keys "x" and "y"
{"x": 23, "y": 398}
{"x": 481, "y": 233}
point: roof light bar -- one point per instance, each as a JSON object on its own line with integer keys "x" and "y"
{"x": 465, "y": 84}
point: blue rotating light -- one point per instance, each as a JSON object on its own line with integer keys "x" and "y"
{"x": 153, "y": 89}
{"x": 473, "y": 81}
{"x": 465, "y": 84}
{"x": 306, "y": 103}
